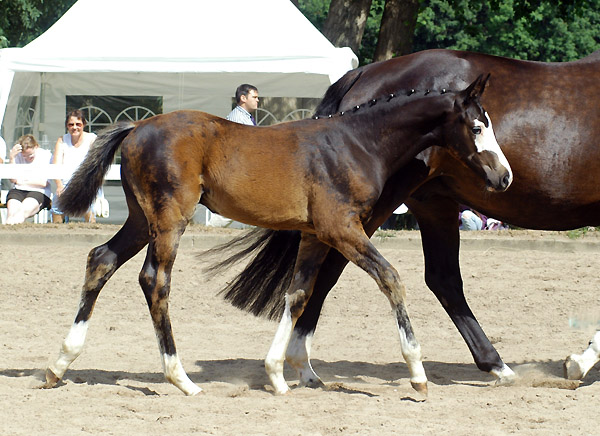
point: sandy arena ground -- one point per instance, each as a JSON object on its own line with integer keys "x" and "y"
{"x": 523, "y": 287}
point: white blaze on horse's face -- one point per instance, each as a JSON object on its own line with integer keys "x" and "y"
{"x": 486, "y": 141}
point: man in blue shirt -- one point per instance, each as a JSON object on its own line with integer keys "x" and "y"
{"x": 246, "y": 97}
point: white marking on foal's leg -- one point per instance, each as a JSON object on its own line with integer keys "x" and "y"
{"x": 276, "y": 355}
{"x": 71, "y": 349}
{"x": 411, "y": 351}
{"x": 504, "y": 376}
{"x": 175, "y": 374}
{"x": 578, "y": 365}
{"x": 298, "y": 356}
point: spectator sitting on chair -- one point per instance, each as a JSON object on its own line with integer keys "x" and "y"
{"x": 4, "y": 184}
{"x": 30, "y": 195}
{"x": 70, "y": 150}
{"x": 469, "y": 219}
{"x": 2, "y": 150}
{"x": 246, "y": 97}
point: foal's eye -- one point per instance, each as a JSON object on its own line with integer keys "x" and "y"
{"x": 476, "y": 130}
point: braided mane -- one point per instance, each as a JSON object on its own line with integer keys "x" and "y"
{"x": 374, "y": 101}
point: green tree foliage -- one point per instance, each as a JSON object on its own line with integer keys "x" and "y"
{"x": 544, "y": 30}
{"x": 369, "y": 42}
{"x": 316, "y": 11}
{"x": 547, "y": 30}
{"x": 21, "y": 21}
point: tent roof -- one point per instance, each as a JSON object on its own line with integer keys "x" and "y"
{"x": 182, "y": 36}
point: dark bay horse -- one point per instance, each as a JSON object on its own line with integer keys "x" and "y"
{"x": 547, "y": 118}
{"x": 320, "y": 177}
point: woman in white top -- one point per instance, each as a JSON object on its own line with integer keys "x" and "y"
{"x": 70, "y": 150}
{"x": 30, "y": 194}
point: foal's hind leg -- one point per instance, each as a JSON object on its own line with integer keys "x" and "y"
{"x": 311, "y": 254}
{"x": 102, "y": 262}
{"x": 155, "y": 279}
{"x": 357, "y": 248}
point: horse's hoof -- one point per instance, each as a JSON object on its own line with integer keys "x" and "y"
{"x": 314, "y": 383}
{"x": 51, "y": 380}
{"x": 572, "y": 368}
{"x": 421, "y": 388}
{"x": 282, "y": 391}
{"x": 507, "y": 380}
{"x": 194, "y": 391}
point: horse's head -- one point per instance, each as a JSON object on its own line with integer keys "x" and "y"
{"x": 472, "y": 138}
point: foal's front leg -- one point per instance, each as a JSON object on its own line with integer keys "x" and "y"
{"x": 311, "y": 254}
{"x": 357, "y": 248}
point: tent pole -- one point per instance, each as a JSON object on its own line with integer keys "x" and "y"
{"x": 42, "y": 119}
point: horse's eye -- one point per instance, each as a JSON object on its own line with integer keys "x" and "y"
{"x": 476, "y": 130}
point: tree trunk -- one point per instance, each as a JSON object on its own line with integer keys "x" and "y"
{"x": 397, "y": 29}
{"x": 345, "y": 23}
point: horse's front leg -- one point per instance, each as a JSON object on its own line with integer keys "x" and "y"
{"x": 298, "y": 352}
{"x": 577, "y": 365}
{"x": 155, "y": 279}
{"x": 311, "y": 254}
{"x": 438, "y": 222}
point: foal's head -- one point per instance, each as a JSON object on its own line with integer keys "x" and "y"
{"x": 470, "y": 137}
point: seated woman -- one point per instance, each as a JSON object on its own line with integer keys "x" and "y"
{"x": 30, "y": 194}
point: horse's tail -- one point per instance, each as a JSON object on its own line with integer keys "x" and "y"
{"x": 82, "y": 189}
{"x": 260, "y": 288}
{"x": 334, "y": 95}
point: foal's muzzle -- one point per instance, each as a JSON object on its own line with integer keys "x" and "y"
{"x": 498, "y": 179}
{"x": 497, "y": 176}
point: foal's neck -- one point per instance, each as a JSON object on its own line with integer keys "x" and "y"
{"x": 398, "y": 130}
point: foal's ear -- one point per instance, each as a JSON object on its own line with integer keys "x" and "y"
{"x": 476, "y": 88}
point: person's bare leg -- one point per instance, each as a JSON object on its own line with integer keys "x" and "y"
{"x": 30, "y": 207}
{"x": 14, "y": 212}
{"x": 90, "y": 217}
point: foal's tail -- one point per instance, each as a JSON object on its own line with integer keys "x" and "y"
{"x": 83, "y": 187}
{"x": 260, "y": 288}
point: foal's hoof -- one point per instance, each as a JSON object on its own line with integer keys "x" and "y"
{"x": 421, "y": 388}
{"x": 282, "y": 391}
{"x": 572, "y": 368}
{"x": 314, "y": 383}
{"x": 51, "y": 380}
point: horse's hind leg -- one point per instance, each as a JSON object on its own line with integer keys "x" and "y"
{"x": 155, "y": 279}
{"x": 311, "y": 254}
{"x": 298, "y": 352}
{"x": 102, "y": 262}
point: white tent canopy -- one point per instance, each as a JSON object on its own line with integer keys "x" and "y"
{"x": 191, "y": 53}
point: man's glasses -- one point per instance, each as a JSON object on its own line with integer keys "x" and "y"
{"x": 75, "y": 124}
